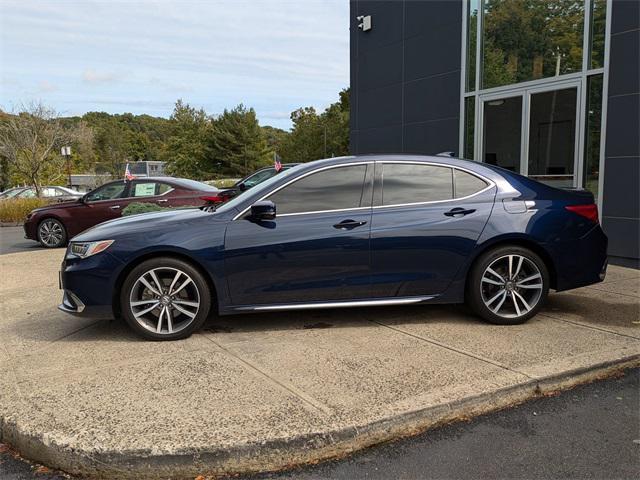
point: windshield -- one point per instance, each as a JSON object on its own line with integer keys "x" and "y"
{"x": 258, "y": 190}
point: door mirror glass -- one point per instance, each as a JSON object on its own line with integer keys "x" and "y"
{"x": 263, "y": 210}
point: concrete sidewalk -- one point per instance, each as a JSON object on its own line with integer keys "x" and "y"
{"x": 251, "y": 393}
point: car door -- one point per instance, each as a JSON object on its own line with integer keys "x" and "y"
{"x": 102, "y": 204}
{"x": 426, "y": 221}
{"x": 317, "y": 247}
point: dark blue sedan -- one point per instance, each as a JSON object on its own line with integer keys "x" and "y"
{"x": 345, "y": 232}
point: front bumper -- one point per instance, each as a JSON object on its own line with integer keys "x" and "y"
{"x": 71, "y": 303}
{"x": 88, "y": 285}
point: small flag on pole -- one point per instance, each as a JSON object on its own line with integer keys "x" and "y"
{"x": 127, "y": 174}
{"x": 277, "y": 165}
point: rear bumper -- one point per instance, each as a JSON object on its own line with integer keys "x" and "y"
{"x": 581, "y": 262}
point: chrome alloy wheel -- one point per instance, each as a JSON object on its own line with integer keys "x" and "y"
{"x": 51, "y": 233}
{"x": 164, "y": 300}
{"x": 511, "y": 286}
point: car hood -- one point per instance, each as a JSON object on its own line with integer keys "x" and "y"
{"x": 145, "y": 222}
{"x": 65, "y": 204}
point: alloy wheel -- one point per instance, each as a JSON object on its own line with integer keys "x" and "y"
{"x": 51, "y": 233}
{"x": 511, "y": 286}
{"x": 164, "y": 300}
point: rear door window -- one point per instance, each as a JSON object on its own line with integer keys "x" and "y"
{"x": 467, "y": 184}
{"x": 144, "y": 189}
{"x": 404, "y": 183}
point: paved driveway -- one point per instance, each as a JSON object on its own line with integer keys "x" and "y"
{"x": 261, "y": 391}
{"x": 12, "y": 241}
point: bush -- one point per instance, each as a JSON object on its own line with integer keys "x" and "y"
{"x": 137, "y": 207}
{"x": 222, "y": 182}
{"x": 15, "y": 210}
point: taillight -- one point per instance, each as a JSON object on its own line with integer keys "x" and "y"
{"x": 212, "y": 198}
{"x": 589, "y": 212}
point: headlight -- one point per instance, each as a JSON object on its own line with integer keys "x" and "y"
{"x": 86, "y": 249}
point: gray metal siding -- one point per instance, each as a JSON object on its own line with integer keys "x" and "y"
{"x": 621, "y": 197}
{"x": 405, "y": 76}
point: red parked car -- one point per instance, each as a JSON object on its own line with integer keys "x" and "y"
{"x": 54, "y": 225}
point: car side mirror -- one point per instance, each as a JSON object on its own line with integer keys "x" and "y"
{"x": 263, "y": 210}
{"x": 242, "y": 187}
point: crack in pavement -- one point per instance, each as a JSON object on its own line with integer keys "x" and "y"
{"x": 306, "y": 398}
{"x": 584, "y": 325}
{"x": 453, "y": 349}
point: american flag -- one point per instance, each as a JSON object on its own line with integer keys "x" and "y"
{"x": 127, "y": 174}
{"x": 276, "y": 163}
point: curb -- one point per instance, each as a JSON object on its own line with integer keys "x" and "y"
{"x": 289, "y": 452}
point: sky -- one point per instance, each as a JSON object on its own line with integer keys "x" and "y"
{"x": 141, "y": 56}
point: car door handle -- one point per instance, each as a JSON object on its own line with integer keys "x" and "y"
{"x": 454, "y": 212}
{"x": 348, "y": 224}
{"x": 115, "y": 207}
{"x": 162, "y": 201}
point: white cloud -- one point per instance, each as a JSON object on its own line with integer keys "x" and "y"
{"x": 46, "y": 86}
{"x": 94, "y": 77}
{"x": 273, "y": 55}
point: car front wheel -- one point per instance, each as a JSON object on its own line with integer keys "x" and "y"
{"x": 165, "y": 299}
{"x": 508, "y": 285}
{"x": 51, "y": 233}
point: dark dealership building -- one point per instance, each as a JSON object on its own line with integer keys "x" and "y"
{"x": 546, "y": 88}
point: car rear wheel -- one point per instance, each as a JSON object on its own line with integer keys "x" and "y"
{"x": 165, "y": 299}
{"x": 51, "y": 233}
{"x": 508, "y": 285}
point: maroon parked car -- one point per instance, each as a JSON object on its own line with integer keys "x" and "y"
{"x": 53, "y": 225}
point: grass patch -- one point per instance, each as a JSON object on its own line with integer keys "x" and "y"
{"x": 15, "y": 210}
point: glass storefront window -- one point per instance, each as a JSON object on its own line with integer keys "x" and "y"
{"x": 525, "y": 40}
{"x": 552, "y": 136}
{"x": 597, "y": 32}
{"x": 469, "y": 123}
{"x": 472, "y": 36}
{"x": 592, "y": 133}
{"x": 502, "y": 126}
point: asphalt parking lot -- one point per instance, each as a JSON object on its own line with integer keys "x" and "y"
{"x": 256, "y": 392}
{"x": 12, "y": 241}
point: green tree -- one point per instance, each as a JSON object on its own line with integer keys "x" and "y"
{"x": 316, "y": 136}
{"x": 187, "y": 148}
{"x": 238, "y": 145}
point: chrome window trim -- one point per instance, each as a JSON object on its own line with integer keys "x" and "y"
{"x": 328, "y": 167}
{"x": 490, "y": 183}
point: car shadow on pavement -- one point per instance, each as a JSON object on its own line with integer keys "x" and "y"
{"x": 336, "y": 318}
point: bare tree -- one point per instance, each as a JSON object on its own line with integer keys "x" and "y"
{"x": 30, "y": 142}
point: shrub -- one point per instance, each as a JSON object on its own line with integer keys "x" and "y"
{"x": 222, "y": 182}
{"x": 14, "y": 210}
{"x": 137, "y": 207}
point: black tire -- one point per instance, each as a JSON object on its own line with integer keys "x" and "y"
{"x": 479, "y": 293}
{"x": 164, "y": 268}
{"x": 51, "y": 233}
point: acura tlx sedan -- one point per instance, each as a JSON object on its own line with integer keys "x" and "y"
{"x": 344, "y": 232}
